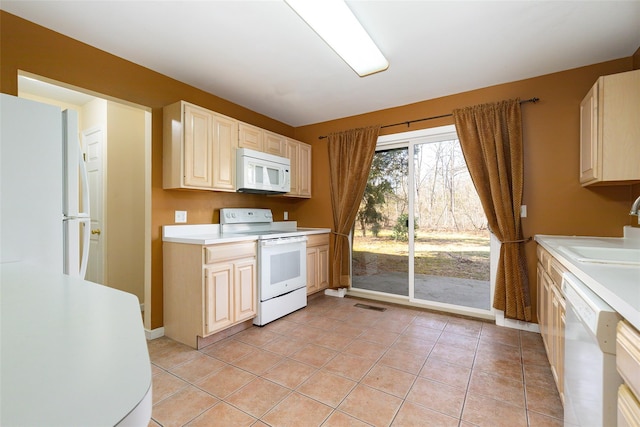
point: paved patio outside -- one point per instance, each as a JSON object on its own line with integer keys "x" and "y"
{"x": 450, "y": 290}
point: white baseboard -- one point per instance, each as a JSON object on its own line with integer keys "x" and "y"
{"x": 515, "y": 324}
{"x": 152, "y": 334}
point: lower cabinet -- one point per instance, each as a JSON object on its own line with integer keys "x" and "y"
{"x": 207, "y": 288}
{"x": 628, "y": 365}
{"x": 551, "y": 313}
{"x": 317, "y": 262}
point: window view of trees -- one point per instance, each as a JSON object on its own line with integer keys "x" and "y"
{"x": 451, "y": 237}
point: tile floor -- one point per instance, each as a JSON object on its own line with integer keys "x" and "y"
{"x": 334, "y": 364}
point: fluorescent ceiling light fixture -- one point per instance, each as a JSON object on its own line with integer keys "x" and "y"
{"x": 340, "y": 29}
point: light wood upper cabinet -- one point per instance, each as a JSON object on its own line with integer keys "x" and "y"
{"x": 250, "y": 137}
{"x": 275, "y": 144}
{"x": 300, "y": 155}
{"x": 198, "y": 149}
{"x": 610, "y": 131}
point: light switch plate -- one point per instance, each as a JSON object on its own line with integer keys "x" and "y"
{"x": 523, "y": 211}
{"x": 181, "y": 216}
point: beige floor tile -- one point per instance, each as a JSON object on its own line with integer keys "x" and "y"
{"x": 464, "y": 326}
{"x": 172, "y": 355}
{"x": 378, "y": 336}
{"x": 349, "y": 366}
{"x": 539, "y": 420}
{"x": 297, "y": 410}
{"x": 284, "y": 346}
{"x": 340, "y": 419}
{"x": 389, "y": 380}
{"x": 314, "y": 355}
{"x": 500, "y": 335}
{"x": 327, "y": 388}
{"x": 412, "y": 415}
{"x": 535, "y": 357}
{"x": 223, "y": 415}
{"x": 198, "y": 368}
{"x": 258, "y": 397}
{"x": 229, "y": 350}
{"x": 258, "y": 362}
{"x": 453, "y": 354}
{"x": 165, "y": 384}
{"x": 441, "y": 371}
{"x": 484, "y": 411}
{"x": 457, "y": 340}
{"x": 437, "y": 396}
{"x": 182, "y": 407}
{"x": 366, "y": 349}
{"x": 371, "y": 406}
{"x": 498, "y": 363}
{"x": 498, "y": 387}
{"x": 422, "y": 332}
{"x": 431, "y": 320}
{"x": 413, "y": 345}
{"x": 539, "y": 376}
{"x": 225, "y": 381}
{"x": 289, "y": 373}
{"x": 544, "y": 401}
{"x": 256, "y": 336}
{"x": 396, "y": 326}
{"x": 332, "y": 340}
{"x": 282, "y": 326}
{"x": 403, "y": 360}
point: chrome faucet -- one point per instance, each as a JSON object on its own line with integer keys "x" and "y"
{"x": 635, "y": 208}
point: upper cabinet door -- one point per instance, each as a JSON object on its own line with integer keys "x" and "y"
{"x": 198, "y": 145}
{"x": 225, "y": 131}
{"x": 275, "y": 144}
{"x": 610, "y": 131}
{"x": 250, "y": 137}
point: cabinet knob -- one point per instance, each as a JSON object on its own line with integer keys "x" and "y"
{"x": 97, "y": 231}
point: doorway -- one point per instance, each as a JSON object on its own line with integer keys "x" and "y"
{"x": 421, "y": 234}
{"x": 116, "y": 139}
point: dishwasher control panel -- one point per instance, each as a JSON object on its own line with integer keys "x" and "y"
{"x": 598, "y": 316}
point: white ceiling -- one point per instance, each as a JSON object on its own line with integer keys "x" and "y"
{"x": 261, "y": 55}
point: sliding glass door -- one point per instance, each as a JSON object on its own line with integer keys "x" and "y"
{"x": 421, "y": 232}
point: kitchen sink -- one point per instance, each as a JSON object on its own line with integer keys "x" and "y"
{"x": 603, "y": 255}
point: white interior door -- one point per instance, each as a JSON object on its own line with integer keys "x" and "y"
{"x": 93, "y": 143}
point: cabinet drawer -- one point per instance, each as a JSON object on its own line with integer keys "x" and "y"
{"x": 317, "y": 239}
{"x": 556, "y": 270}
{"x": 628, "y": 408}
{"x": 543, "y": 256}
{"x": 227, "y": 251}
{"x": 628, "y": 355}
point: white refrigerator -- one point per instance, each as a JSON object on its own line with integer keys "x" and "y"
{"x": 44, "y": 191}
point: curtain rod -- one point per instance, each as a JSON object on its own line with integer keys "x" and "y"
{"x": 533, "y": 100}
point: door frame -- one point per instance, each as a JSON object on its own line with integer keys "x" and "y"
{"x": 409, "y": 140}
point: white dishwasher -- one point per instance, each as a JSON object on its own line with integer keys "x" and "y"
{"x": 590, "y": 378}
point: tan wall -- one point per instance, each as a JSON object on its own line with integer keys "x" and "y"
{"x": 557, "y": 203}
{"x": 125, "y": 198}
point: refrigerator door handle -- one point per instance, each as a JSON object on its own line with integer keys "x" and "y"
{"x": 86, "y": 241}
{"x": 84, "y": 181}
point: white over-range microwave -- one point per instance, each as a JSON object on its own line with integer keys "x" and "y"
{"x": 262, "y": 173}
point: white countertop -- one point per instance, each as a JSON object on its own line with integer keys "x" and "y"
{"x": 209, "y": 234}
{"x": 73, "y": 352}
{"x": 617, "y": 284}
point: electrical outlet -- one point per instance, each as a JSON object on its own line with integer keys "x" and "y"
{"x": 181, "y": 216}
{"x": 286, "y": 215}
{"x": 523, "y": 211}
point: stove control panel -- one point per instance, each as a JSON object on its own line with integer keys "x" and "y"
{"x": 245, "y": 215}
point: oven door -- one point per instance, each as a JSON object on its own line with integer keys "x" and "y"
{"x": 283, "y": 266}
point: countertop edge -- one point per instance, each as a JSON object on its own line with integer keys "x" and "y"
{"x": 595, "y": 283}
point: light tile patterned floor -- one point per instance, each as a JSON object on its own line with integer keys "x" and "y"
{"x": 334, "y": 364}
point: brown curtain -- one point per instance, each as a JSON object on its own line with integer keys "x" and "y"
{"x": 491, "y": 140}
{"x": 350, "y": 156}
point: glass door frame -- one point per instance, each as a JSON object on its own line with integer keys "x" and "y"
{"x": 409, "y": 140}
